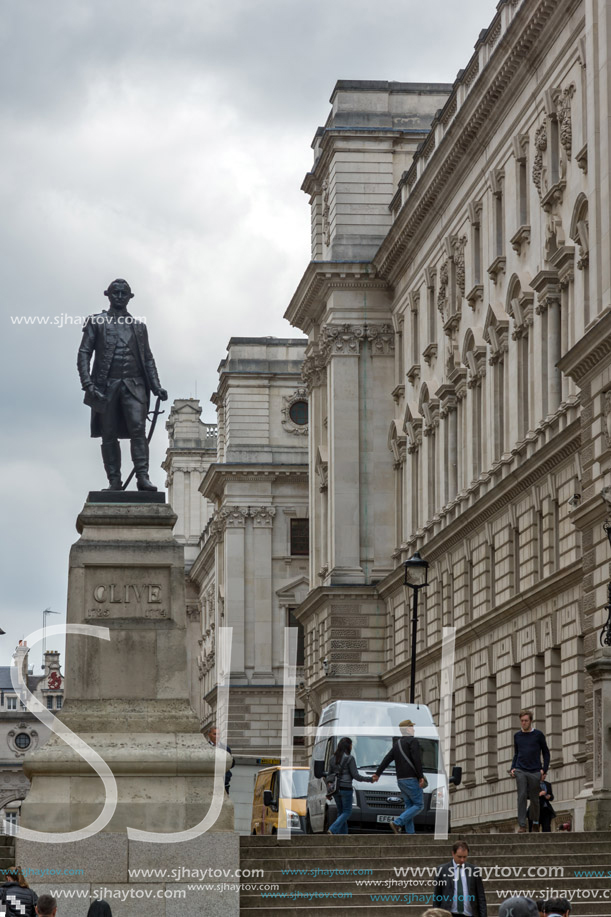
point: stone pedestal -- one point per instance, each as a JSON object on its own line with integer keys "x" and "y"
{"x": 598, "y": 806}
{"x": 127, "y": 698}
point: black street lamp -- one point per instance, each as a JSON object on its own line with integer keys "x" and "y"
{"x": 416, "y": 578}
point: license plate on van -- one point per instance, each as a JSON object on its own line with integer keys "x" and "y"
{"x": 386, "y": 818}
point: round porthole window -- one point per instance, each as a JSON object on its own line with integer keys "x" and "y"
{"x": 298, "y": 412}
{"x": 22, "y": 740}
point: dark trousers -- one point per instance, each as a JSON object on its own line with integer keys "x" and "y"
{"x": 343, "y": 801}
{"x": 545, "y": 820}
{"x": 122, "y": 403}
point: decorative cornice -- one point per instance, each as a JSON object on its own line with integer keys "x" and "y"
{"x": 453, "y": 151}
{"x": 220, "y": 474}
{"x": 590, "y": 351}
{"x": 323, "y": 277}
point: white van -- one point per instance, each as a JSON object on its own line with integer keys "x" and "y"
{"x": 371, "y": 725}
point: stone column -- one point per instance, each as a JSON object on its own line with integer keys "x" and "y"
{"x": 234, "y": 519}
{"x": 263, "y": 517}
{"x": 598, "y": 806}
{"x": 343, "y": 349}
{"x": 547, "y": 286}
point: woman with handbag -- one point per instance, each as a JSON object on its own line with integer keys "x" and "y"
{"x": 546, "y": 809}
{"x": 339, "y": 784}
{"x": 405, "y": 752}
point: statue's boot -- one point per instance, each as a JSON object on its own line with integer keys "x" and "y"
{"x": 111, "y": 456}
{"x": 140, "y": 458}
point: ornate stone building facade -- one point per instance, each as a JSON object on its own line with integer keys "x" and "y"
{"x": 249, "y": 566}
{"x": 20, "y": 730}
{"x": 458, "y": 368}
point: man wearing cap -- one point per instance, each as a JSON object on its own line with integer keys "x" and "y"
{"x": 405, "y": 752}
{"x": 518, "y": 907}
{"x": 557, "y": 907}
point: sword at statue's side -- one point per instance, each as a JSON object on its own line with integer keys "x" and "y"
{"x": 153, "y": 419}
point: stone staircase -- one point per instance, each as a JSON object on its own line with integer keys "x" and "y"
{"x": 566, "y": 853}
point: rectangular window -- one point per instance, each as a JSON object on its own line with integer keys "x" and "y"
{"x": 291, "y": 621}
{"x": 49, "y": 702}
{"x": 300, "y": 537}
{"x": 58, "y": 703}
{"x": 522, "y": 192}
{"x": 11, "y": 703}
{"x": 299, "y": 723}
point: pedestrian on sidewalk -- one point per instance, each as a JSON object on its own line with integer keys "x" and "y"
{"x": 541, "y": 903}
{"x": 405, "y": 752}
{"x": 529, "y": 767}
{"x": 99, "y": 909}
{"x": 557, "y": 907}
{"x": 344, "y": 765}
{"x": 459, "y": 885}
{"x": 546, "y": 810}
{"x": 17, "y": 896}
{"x": 47, "y": 906}
{"x": 518, "y": 907}
{"x": 213, "y": 739}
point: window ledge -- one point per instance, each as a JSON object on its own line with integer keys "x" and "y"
{"x": 497, "y": 267}
{"x": 520, "y": 238}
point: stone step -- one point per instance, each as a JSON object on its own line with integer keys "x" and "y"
{"x": 364, "y": 907}
{"x": 502, "y": 854}
{"x": 556, "y": 838}
{"x": 382, "y": 854}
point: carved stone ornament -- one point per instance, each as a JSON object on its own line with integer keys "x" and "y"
{"x": 442, "y": 295}
{"x": 381, "y": 338}
{"x": 459, "y": 261}
{"x": 564, "y": 119}
{"x": 233, "y": 516}
{"x": 314, "y": 371}
{"x": 263, "y": 516}
{"x": 288, "y": 423}
{"x": 341, "y": 339}
{"x": 607, "y": 410}
{"x": 539, "y": 171}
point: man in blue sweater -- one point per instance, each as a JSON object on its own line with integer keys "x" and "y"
{"x": 528, "y": 769}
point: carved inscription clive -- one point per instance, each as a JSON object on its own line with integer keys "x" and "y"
{"x": 136, "y": 592}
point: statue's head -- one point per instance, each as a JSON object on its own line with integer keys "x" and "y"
{"x": 119, "y": 293}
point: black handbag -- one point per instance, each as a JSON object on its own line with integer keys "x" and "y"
{"x": 411, "y": 763}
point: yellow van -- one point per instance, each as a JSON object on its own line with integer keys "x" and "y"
{"x": 279, "y": 800}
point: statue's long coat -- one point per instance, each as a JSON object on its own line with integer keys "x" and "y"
{"x": 100, "y": 340}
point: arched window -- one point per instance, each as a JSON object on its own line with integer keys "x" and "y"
{"x": 412, "y": 425}
{"x": 429, "y": 410}
{"x": 496, "y": 334}
{"x": 474, "y": 358}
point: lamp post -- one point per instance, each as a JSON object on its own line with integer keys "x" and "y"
{"x": 416, "y": 578}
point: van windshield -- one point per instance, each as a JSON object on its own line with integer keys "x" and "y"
{"x": 369, "y": 751}
{"x": 294, "y": 784}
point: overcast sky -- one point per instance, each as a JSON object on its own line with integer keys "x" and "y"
{"x": 164, "y": 141}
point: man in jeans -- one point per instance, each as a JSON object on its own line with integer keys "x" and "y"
{"x": 529, "y": 748}
{"x": 405, "y": 752}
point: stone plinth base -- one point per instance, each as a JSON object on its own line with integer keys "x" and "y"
{"x": 598, "y": 812}
{"x": 111, "y": 865}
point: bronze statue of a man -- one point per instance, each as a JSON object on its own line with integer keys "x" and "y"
{"x": 118, "y": 387}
